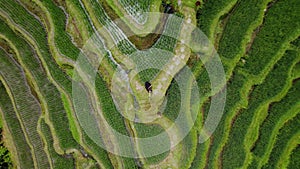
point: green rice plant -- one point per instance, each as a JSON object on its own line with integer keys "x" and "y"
{"x": 204, "y": 78}
{"x": 258, "y": 79}
{"x": 236, "y": 95}
{"x": 173, "y": 101}
{"x": 272, "y": 89}
{"x": 23, "y": 150}
{"x": 235, "y": 38}
{"x": 275, "y": 34}
{"x": 62, "y": 40}
{"x": 294, "y": 158}
{"x": 125, "y": 47}
{"x": 74, "y": 130}
{"x": 278, "y": 114}
{"x": 26, "y": 106}
{"x": 210, "y": 14}
{"x": 77, "y": 11}
{"x": 165, "y": 43}
{"x": 20, "y": 16}
{"x": 288, "y": 136}
{"x": 251, "y": 37}
{"x": 242, "y": 22}
{"x": 97, "y": 151}
{"x": 112, "y": 116}
{"x": 189, "y": 143}
{"x": 203, "y": 148}
{"x": 58, "y": 161}
{"x": 200, "y": 158}
{"x": 241, "y": 26}
{"x": 56, "y": 110}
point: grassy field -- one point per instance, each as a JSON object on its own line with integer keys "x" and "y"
{"x": 47, "y": 46}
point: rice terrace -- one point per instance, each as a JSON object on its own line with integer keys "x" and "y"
{"x": 150, "y": 84}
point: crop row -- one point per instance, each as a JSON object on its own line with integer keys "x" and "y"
{"x": 79, "y": 12}
{"x": 86, "y": 27}
{"x": 296, "y": 71}
{"x": 21, "y": 17}
{"x": 286, "y": 140}
{"x": 173, "y": 101}
{"x": 275, "y": 34}
{"x": 190, "y": 143}
{"x": 51, "y": 5}
{"x": 148, "y": 74}
{"x": 143, "y": 5}
{"x": 55, "y": 20}
{"x": 171, "y": 111}
{"x": 246, "y": 17}
{"x": 210, "y": 14}
{"x": 78, "y": 25}
{"x": 26, "y": 106}
{"x": 62, "y": 40}
{"x": 29, "y": 27}
{"x": 244, "y": 87}
{"x": 231, "y": 44}
{"x": 68, "y": 88}
{"x": 84, "y": 20}
{"x": 44, "y": 61}
{"x": 112, "y": 116}
{"x": 123, "y": 44}
{"x": 236, "y": 95}
{"x": 59, "y": 120}
{"x": 115, "y": 39}
{"x": 189, "y": 113}
{"x": 23, "y": 151}
{"x": 114, "y": 119}
{"x": 50, "y": 95}
{"x": 34, "y": 27}
{"x": 201, "y": 157}
{"x": 278, "y": 113}
{"x": 58, "y": 161}
{"x": 296, "y": 46}
{"x": 97, "y": 151}
{"x": 203, "y": 148}
{"x": 94, "y": 147}
{"x": 274, "y": 87}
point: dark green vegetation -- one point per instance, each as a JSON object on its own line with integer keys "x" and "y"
{"x": 258, "y": 42}
{"x": 5, "y": 157}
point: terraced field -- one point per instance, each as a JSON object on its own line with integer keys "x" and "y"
{"x": 169, "y": 84}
